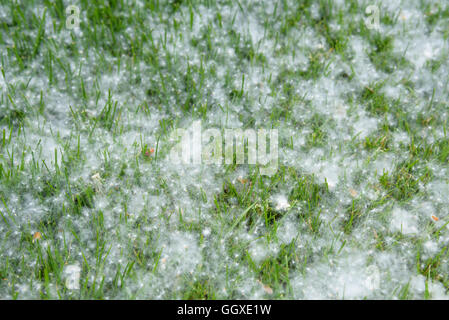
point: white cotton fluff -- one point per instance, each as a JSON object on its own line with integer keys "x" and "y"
{"x": 72, "y": 276}
{"x": 404, "y": 221}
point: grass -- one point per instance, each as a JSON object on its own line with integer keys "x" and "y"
{"x": 86, "y": 116}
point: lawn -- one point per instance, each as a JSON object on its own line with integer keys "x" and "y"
{"x": 93, "y": 207}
